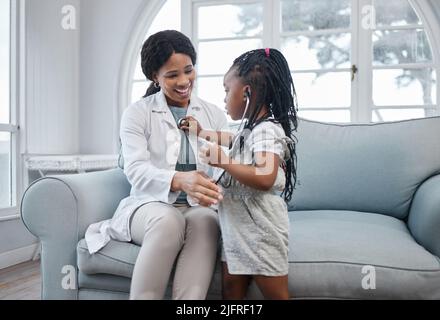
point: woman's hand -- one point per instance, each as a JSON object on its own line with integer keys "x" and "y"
{"x": 212, "y": 154}
{"x": 199, "y": 186}
{"x": 191, "y": 124}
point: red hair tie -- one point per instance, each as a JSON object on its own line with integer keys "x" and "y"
{"x": 267, "y": 52}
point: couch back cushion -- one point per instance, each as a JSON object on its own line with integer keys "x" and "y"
{"x": 364, "y": 167}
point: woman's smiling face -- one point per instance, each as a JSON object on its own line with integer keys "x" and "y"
{"x": 176, "y": 78}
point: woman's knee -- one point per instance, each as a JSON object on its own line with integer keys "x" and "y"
{"x": 201, "y": 218}
{"x": 166, "y": 223}
{"x": 171, "y": 224}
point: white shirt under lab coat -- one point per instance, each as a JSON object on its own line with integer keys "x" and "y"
{"x": 150, "y": 147}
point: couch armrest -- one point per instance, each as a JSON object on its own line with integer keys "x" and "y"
{"x": 424, "y": 215}
{"x": 58, "y": 210}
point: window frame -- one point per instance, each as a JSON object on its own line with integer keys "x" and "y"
{"x": 361, "y": 100}
{"x": 191, "y": 7}
{"x": 420, "y": 9}
{"x": 271, "y": 36}
{"x": 362, "y": 105}
{"x": 353, "y": 35}
{"x": 16, "y": 104}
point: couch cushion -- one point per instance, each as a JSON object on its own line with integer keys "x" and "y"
{"x": 92, "y": 294}
{"x": 365, "y": 167}
{"x": 329, "y": 249}
{"x": 107, "y": 269}
{"x": 106, "y": 282}
{"x": 116, "y": 258}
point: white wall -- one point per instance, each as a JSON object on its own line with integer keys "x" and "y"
{"x": 70, "y": 105}
{"x": 435, "y": 4}
{"x": 14, "y": 235}
{"x": 73, "y": 75}
{"x": 435, "y": 10}
{"x": 52, "y": 79}
{"x": 105, "y": 30}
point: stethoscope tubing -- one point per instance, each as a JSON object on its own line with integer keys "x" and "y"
{"x": 239, "y": 133}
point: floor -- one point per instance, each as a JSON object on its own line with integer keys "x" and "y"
{"x": 21, "y": 282}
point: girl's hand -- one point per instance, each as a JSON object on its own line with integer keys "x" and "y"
{"x": 199, "y": 186}
{"x": 212, "y": 154}
{"x": 191, "y": 124}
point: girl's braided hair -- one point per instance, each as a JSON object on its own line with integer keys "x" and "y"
{"x": 267, "y": 72}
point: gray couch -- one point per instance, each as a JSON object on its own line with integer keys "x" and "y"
{"x": 364, "y": 219}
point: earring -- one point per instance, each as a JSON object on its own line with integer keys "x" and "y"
{"x": 156, "y": 85}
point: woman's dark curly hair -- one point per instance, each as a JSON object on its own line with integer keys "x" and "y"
{"x": 158, "y": 48}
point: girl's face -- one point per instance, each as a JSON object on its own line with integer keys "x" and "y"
{"x": 235, "y": 98}
{"x": 176, "y": 78}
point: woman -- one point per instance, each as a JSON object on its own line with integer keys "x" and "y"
{"x": 167, "y": 212}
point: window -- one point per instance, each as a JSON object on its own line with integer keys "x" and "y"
{"x": 403, "y": 72}
{"x": 351, "y": 60}
{"x": 167, "y": 18}
{"x": 8, "y": 128}
{"x": 316, "y": 38}
{"x": 223, "y": 32}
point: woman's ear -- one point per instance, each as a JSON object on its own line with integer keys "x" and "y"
{"x": 155, "y": 78}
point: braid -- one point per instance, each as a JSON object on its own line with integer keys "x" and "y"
{"x": 268, "y": 74}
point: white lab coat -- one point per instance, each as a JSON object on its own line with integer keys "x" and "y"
{"x": 150, "y": 146}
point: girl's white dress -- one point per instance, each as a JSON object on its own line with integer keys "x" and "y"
{"x": 255, "y": 224}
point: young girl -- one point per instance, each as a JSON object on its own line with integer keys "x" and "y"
{"x": 261, "y": 163}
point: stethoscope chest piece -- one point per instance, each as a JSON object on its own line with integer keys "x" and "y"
{"x": 182, "y": 122}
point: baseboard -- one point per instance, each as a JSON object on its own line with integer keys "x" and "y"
{"x": 20, "y": 255}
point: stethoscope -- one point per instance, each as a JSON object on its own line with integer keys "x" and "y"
{"x": 182, "y": 122}
{"x": 236, "y": 138}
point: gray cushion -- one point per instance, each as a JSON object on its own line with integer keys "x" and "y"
{"x": 116, "y": 258}
{"x": 103, "y": 282}
{"x": 93, "y": 294}
{"x": 328, "y": 250}
{"x": 365, "y": 167}
{"x": 112, "y": 267}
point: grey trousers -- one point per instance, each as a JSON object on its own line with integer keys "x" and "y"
{"x": 167, "y": 233}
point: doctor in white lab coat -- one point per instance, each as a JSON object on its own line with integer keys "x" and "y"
{"x": 169, "y": 212}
